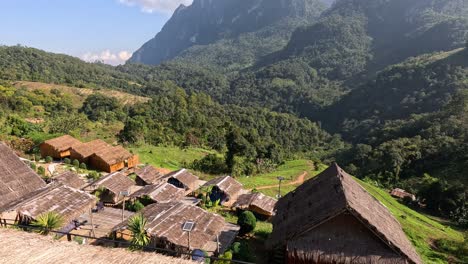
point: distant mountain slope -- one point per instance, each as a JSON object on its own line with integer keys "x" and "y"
{"x": 359, "y": 35}
{"x": 212, "y": 29}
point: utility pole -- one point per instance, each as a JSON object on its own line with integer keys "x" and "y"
{"x": 280, "y": 179}
{"x": 124, "y": 194}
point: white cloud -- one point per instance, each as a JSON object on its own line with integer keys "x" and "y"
{"x": 150, "y": 6}
{"x": 107, "y": 57}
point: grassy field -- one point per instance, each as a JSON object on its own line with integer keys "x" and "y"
{"x": 290, "y": 170}
{"x": 172, "y": 158}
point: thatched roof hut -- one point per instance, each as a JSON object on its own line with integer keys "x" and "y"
{"x": 84, "y": 151}
{"x": 332, "y": 219}
{"x": 58, "y": 148}
{"x": 66, "y": 201}
{"x": 400, "y": 193}
{"x": 148, "y": 175}
{"x": 16, "y": 178}
{"x": 226, "y": 189}
{"x": 161, "y": 193}
{"x": 257, "y": 203}
{"x": 71, "y": 179}
{"x": 183, "y": 179}
{"x": 113, "y": 184}
{"x": 29, "y": 248}
{"x": 111, "y": 159}
{"x": 165, "y": 222}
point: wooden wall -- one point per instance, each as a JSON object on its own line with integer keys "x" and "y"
{"x": 48, "y": 150}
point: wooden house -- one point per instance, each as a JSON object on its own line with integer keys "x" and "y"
{"x": 226, "y": 189}
{"x": 82, "y": 152}
{"x": 183, "y": 179}
{"x": 332, "y": 219}
{"x": 66, "y": 201}
{"x": 16, "y": 178}
{"x": 71, "y": 179}
{"x": 257, "y": 203}
{"x": 112, "y": 159}
{"x": 401, "y": 194}
{"x": 148, "y": 175}
{"x": 22, "y": 247}
{"x": 112, "y": 186}
{"x": 58, "y": 148}
{"x": 160, "y": 193}
{"x": 165, "y": 227}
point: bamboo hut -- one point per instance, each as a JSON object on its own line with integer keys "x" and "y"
{"x": 16, "y": 178}
{"x": 258, "y": 203}
{"x": 401, "y": 194}
{"x": 166, "y": 220}
{"x": 66, "y": 201}
{"x": 29, "y": 248}
{"x": 225, "y": 189}
{"x": 112, "y": 159}
{"x": 82, "y": 152}
{"x": 183, "y": 179}
{"x": 161, "y": 193}
{"x": 148, "y": 175}
{"x": 58, "y": 148}
{"x": 112, "y": 186}
{"x": 71, "y": 179}
{"x": 332, "y": 219}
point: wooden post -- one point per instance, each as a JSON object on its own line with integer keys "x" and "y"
{"x": 188, "y": 242}
{"x": 92, "y": 224}
{"x": 69, "y": 238}
{"x": 217, "y": 244}
{"x": 123, "y": 209}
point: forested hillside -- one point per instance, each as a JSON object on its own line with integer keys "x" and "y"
{"x": 226, "y": 33}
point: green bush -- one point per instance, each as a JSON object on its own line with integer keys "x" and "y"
{"x": 135, "y": 206}
{"x": 227, "y": 257}
{"x": 94, "y": 175}
{"x": 247, "y": 222}
{"x": 241, "y": 251}
{"x": 67, "y": 161}
{"x": 41, "y": 171}
{"x": 37, "y": 157}
{"x": 76, "y": 163}
{"x": 49, "y": 159}
{"x": 83, "y": 166}
{"x": 33, "y": 166}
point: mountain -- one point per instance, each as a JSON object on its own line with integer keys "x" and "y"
{"x": 227, "y": 32}
{"x": 362, "y": 36}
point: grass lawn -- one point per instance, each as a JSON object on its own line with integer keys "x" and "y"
{"x": 290, "y": 170}
{"x": 172, "y": 158}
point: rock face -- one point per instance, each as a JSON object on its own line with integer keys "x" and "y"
{"x": 207, "y": 21}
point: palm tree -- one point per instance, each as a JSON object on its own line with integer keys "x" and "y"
{"x": 136, "y": 225}
{"x": 47, "y": 221}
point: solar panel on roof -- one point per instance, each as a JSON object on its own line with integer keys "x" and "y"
{"x": 188, "y": 226}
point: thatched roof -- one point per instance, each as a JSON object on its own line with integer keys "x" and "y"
{"x": 149, "y": 174}
{"x": 113, "y": 155}
{"x": 71, "y": 179}
{"x": 330, "y": 194}
{"x": 400, "y": 193}
{"x": 29, "y": 248}
{"x": 165, "y": 221}
{"x": 161, "y": 193}
{"x": 227, "y": 184}
{"x": 115, "y": 182}
{"x": 16, "y": 178}
{"x": 257, "y": 202}
{"x": 87, "y": 149}
{"x": 185, "y": 177}
{"x": 62, "y": 143}
{"x": 68, "y": 202}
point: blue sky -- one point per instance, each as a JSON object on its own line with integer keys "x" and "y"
{"x": 108, "y": 30}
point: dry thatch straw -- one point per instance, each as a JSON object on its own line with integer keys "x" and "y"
{"x": 184, "y": 179}
{"x": 27, "y": 248}
{"x": 149, "y": 175}
{"x": 16, "y": 178}
{"x": 256, "y": 202}
{"x": 332, "y": 219}
{"x": 161, "y": 193}
{"x": 59, "y": 147}
{"x": 71, "y": 179}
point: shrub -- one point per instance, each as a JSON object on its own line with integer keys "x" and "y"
{"x": 33, "y": 166}
{"x": 227, "y": 257}
{"x": 76, "y": 163}
{"x": 136, "y": 225}
{"x": 94, "y": 175}
{"x": 47, "y": 222}
{"x": 211, "y": 164}
{"x": 247, "y": 222}
{"x": 135, "y": 206}
{"x": 49, "y": 159}
{"x": 41, "y": 171}
{"x": 241, "y": 251}
{"x": 83, "y": 166}
{"x": 67, "y": 161}
{"x": 37, "y": 157}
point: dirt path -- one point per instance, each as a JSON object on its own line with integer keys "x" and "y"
{"x": 299, "y": 180}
